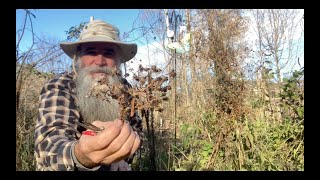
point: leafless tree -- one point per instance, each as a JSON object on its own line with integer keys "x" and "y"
{"x": 276, "y": 30}
{"x": 34, "y": 66}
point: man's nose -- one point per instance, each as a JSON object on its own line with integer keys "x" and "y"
{"x": 100, "y": 60}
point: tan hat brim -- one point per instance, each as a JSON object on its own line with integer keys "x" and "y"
{"x": 127, "y": 50}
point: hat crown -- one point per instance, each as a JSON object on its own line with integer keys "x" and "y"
{"x": 100, "y": 28}
{"x": 101, "y": 32}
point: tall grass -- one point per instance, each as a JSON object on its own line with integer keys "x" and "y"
{"x": 26, "y": 116}
{"x": 256, "y": 145}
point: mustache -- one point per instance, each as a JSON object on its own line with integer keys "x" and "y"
{"x": 97, "y": 69}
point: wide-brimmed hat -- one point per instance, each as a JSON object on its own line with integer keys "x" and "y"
{"x": 100, "y": 31}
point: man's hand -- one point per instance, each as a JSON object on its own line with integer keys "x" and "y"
{"x": 120, "y": 166}
{"x": 116, "y": 142}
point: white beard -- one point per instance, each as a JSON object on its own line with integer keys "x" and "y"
{"x": 92, "y": 108}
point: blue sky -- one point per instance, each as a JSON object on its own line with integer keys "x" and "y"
{"x": 54, "y": 22}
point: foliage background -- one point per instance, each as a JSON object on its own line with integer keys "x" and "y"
{"x": 223, "y": 113}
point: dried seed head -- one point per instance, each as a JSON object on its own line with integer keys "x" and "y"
{"x": 126, "y": 75}
{"x": 116, "y": 72}
{"x": 142, "y": 80}
{"x": 165, "y": 98}
{"x": 164, "y": 78}
{"x": 163, "y": 94}
{"x": 135, "y": 77}
{"x": 160, "y": 109}
{"x": 155, "y": 102}
{"x": 172, "y": 73}
{"x": 148, "y": 94}
{"x": 141, "y": 68}
{"x": 163, "y": 89}
{"x": 103, "y": 88}
{"x": 153, "y": 68}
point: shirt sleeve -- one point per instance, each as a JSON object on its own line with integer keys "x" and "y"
{"x": 55, "y": 132}
{"x": 80, "y": 167}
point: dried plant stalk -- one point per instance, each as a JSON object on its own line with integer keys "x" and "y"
{"x": 148, "y": 94}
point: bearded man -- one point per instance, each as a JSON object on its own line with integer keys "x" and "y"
{"x": 60, "y": 144}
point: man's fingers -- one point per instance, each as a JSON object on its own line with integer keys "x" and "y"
{"x": 119, "y": 141}
{"x": 116, "y": 142}
{"x": 104, "y": 138}
{"x": 105, "y": 125}
{"x": 98, "y": 123}
{"x": 124, "y": 151}
{"x": 136, "y": 144}
{"x": 109, "y": 134}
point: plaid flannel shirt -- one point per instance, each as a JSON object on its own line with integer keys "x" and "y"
{"x": 56, "y": 132}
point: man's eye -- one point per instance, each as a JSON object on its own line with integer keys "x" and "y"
{"x": 91, "y": 52}
{"x": 109, "y": 53}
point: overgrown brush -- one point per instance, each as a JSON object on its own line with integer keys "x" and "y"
{"x": 26, "y": 116}
{"x": 256, "y": 145}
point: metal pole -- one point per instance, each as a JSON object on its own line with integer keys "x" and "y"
{"x": 174, "y": 16}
